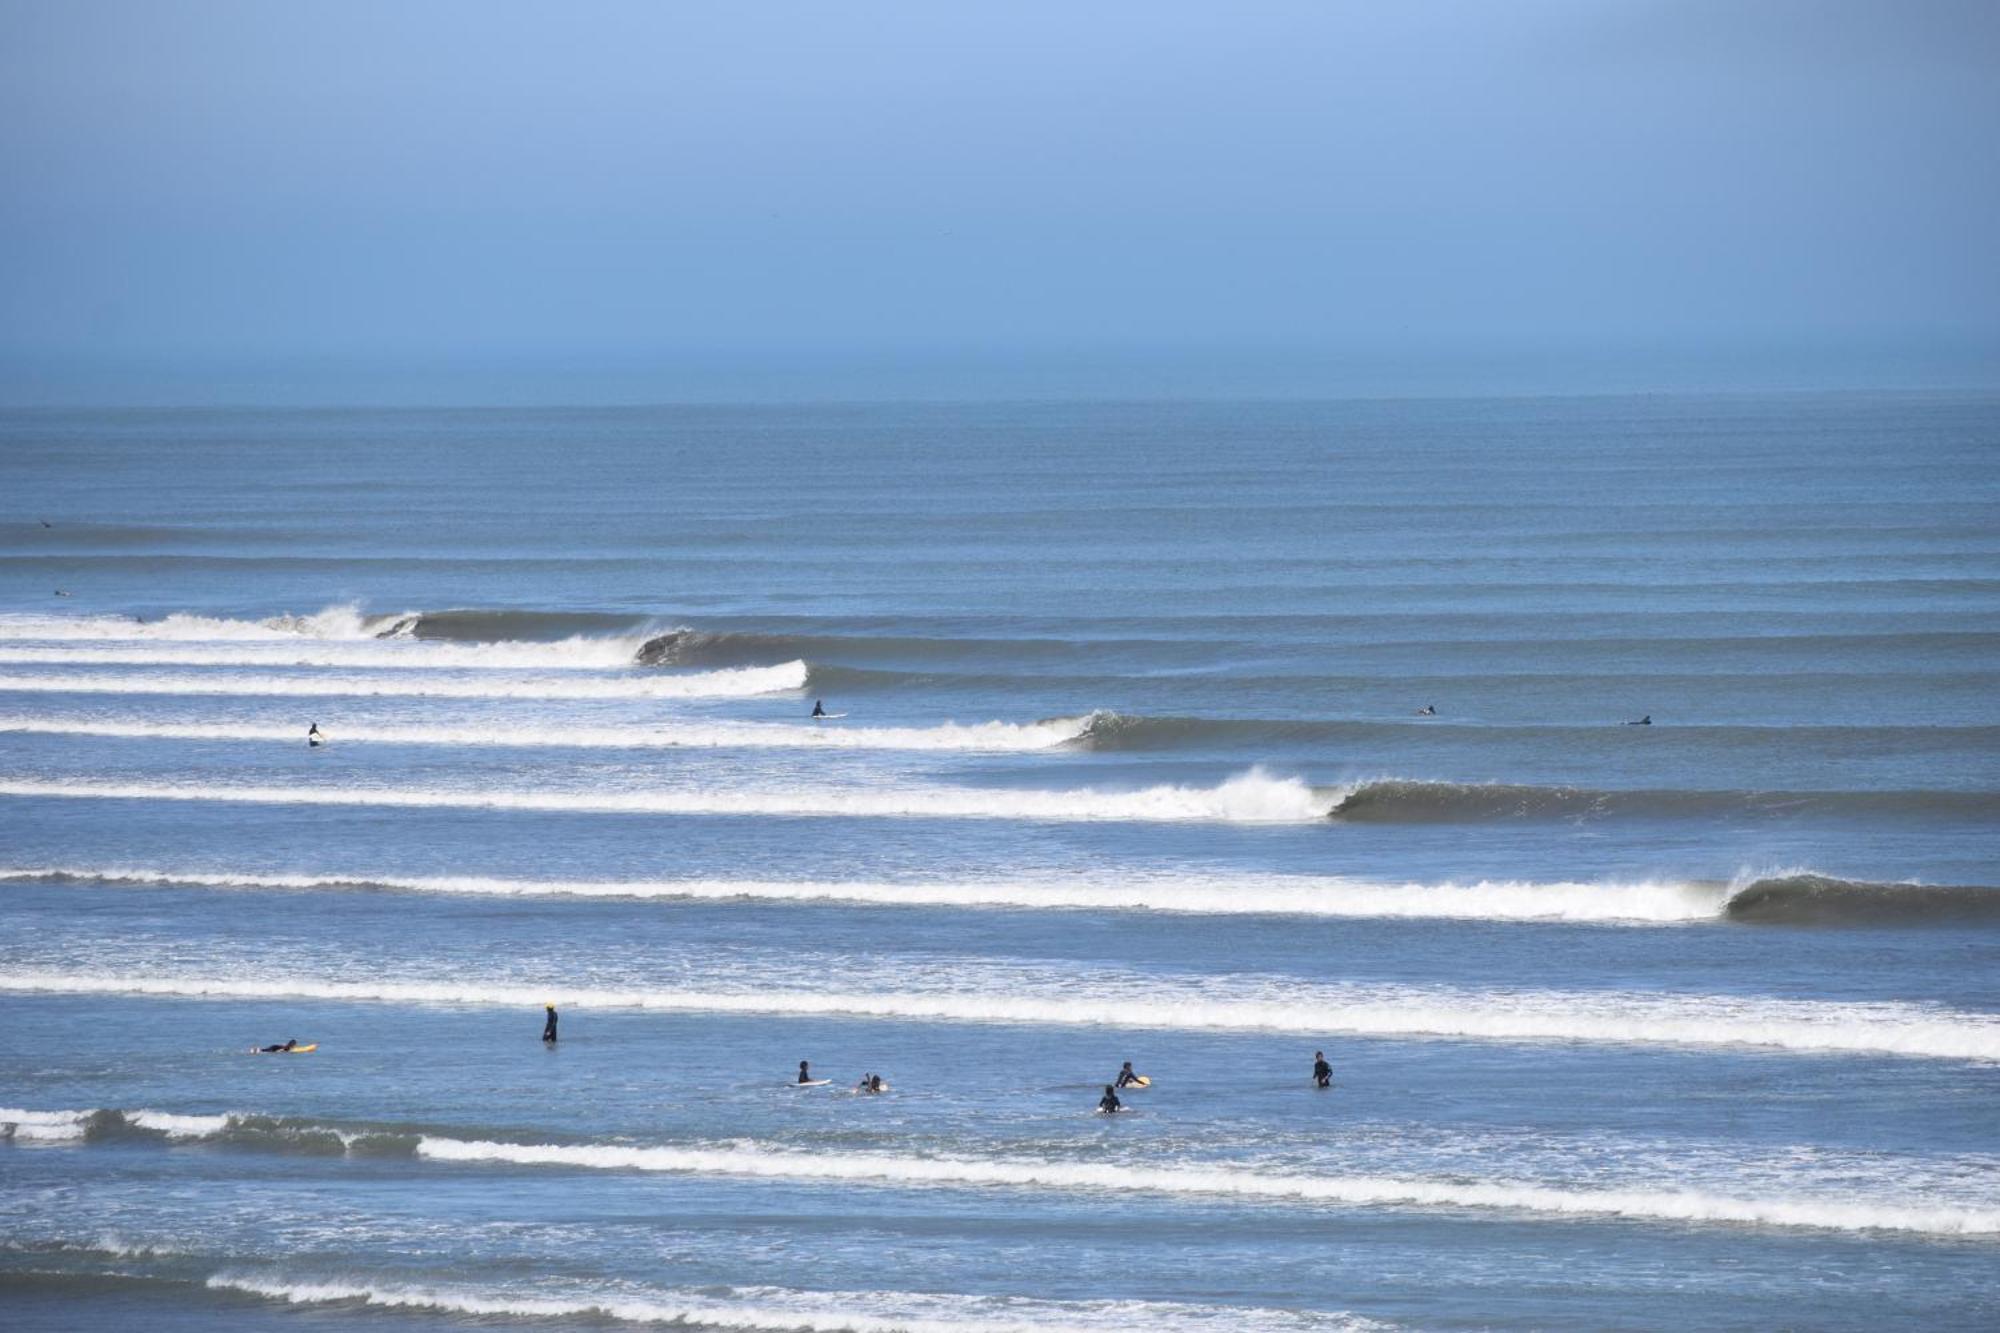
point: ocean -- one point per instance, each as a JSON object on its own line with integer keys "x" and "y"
{"x": 1204, "y": 736}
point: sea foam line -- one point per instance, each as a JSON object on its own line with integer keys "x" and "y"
{"x": 883, "y": 1169}
{"x": 1609, "y": 1017}
{"x": 731, "y": 682}
{"x": 782, "y": 1310}
{"x": 1253, "y": 797}
{"x": 1635, "y": 903}
{"x": 986, "y": 736}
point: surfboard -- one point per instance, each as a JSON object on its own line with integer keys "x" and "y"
{"x": 1140, "y": 1082}
{"x": 296, "y": 1050}
{"x": 824, "y": 717}
{"x": 812, "y": 1083}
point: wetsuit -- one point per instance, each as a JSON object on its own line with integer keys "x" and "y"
{"x": 804, "y": 1077}
{"x": 1322, "y": 1073}
{"x": 549, "y": 1028}
{"x": 819, "y": 708}
{"x": 272, "y": 1050}
{"x": 1109, "y": 1102}
{"x": 1126, "y": 1076}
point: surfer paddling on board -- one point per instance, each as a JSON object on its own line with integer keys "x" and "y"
{"x": 1109, "y": 1104}
{"x": 819, "y": 708}
{"x": 1322, "y": 1071}
{"x": 549, "y": 1027}
{"x": 1645, "y": 721}
{"x": 292, "y": 1044}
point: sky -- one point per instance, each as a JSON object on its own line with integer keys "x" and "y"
{"x": 214, "y": 201}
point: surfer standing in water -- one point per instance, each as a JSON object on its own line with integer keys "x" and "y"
{"x": 1322, "y": 1071}
{"x": 1109, "y": 1104}
{"x": 819, "y": 708}
{"x": 549, "y": 1027}
{"x": 313, "y": 738}
{"x": 1126, "y": 1078}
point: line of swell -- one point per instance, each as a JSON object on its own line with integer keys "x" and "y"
{"x": 1607, "y": 1017}
{"x": 732, "y": 683}
{"x": 980, "y": 736}
{"x": 749, "y": 1159}
{"x": 1253, "y": 797}
{"x": 1796, "y": 897}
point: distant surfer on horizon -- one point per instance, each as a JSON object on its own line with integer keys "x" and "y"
{"x": 313, "y": 737}
{"x": 1645, "y": 721}
{"x": 819, "y": 708}
{"x": 1322, "y": 1071}
{"x": 1428, "y": 710}
{"x": 549, "y": 1027}
{"x": 1109, "y": 1104}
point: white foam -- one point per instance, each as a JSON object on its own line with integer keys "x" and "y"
{"x": 577, "y": 653}
{"x": 1613, "y": 1017}
{"x": 882, "y": 1169}
{"x": 790, "y": 1311}
{"x": 1253, "y": 797}
{"x": 43, "y": 1126}
{"x": 1644, "y": 902}
{"x": 733, "y": 682}
{"x": 986, "y": 736}
{"x": 335, "y": 623}
{"x": 178, "y": 1126}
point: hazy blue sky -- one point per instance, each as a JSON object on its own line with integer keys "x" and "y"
{"x": 491, "y": 201}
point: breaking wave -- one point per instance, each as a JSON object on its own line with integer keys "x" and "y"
{"x": 1608, "y": 1017}
{"x": 738, "y": 682}
{"x": 987, "y": 737}
{"x": 754, "y": 1160}
{"x": 1253, "y": 797}
{"x": 1361, "y": 1190}
{"x": 1631, "y": 903}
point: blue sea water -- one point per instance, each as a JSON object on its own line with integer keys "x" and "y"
{"x": 1688, "y": 1023}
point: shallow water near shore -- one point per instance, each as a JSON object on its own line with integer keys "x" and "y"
{"x": 1695, "y": 1022}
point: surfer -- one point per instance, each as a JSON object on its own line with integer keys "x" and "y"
{"x": 805, "y": 1075}
{"x": 61, "y": 592}
{"x": 274, "y": 1050}
{"x": 549, "y": 1027}
{"x": 313, "y": 737}
{"x": 1126, "y": 1078}
{"x": 819, "y": 708}
{"x": 1645, "y": 721}
{"x": 870, "y": 1083}
{"x": 1322, "y": 1071}
{"x": 1428, "y": 710}
{"x": 1109, "y": 1104}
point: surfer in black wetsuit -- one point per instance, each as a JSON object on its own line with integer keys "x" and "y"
{"x": 1428, "y": 710}
{"x": 1322, "y": 1071}
{"x": 273, "y": 1050}
{"x": 1126, "y": 1078}
{"x": 1109, "y": 1103}
{"x": 313, "y": 739}
{"x": 549, "y": 1027}
{"x": 1645, "y": 721}
{"x": 805, "y": 1076}
{"x": 819, "y": 708}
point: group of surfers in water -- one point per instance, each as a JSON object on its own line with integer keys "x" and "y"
{"x": 1108, "y": 1104}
